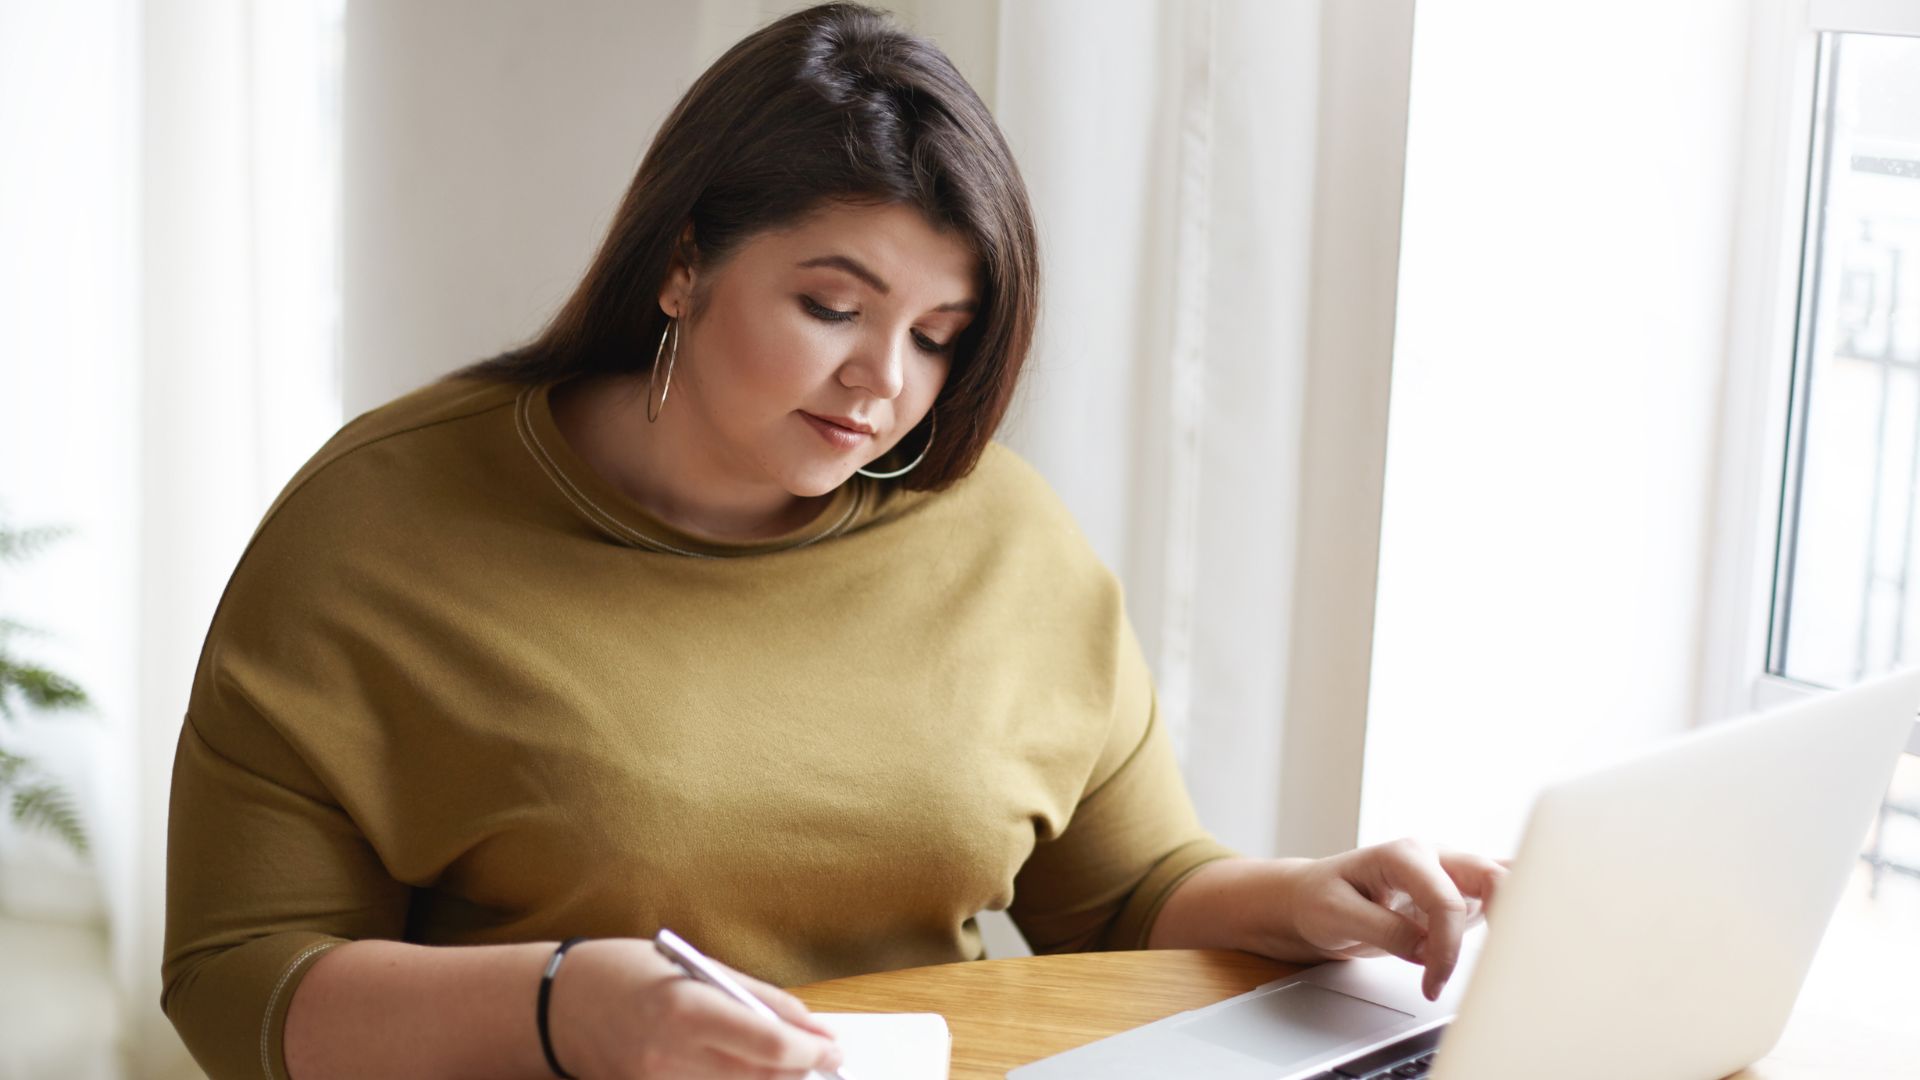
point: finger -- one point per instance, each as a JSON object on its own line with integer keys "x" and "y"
{"x": 1414, "y": 869}
{"x": 718, "y": 1065}
{"x": 1374, "y": 925}
{"x": 1476, "y": 876}
{"x": 790, "y": 1008}
{"x": 724, "y": 1024}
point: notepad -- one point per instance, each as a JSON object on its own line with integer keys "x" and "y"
{"x": 892, "y": 1046}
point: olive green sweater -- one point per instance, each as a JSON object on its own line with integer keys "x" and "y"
{"x": 461, "y": 691}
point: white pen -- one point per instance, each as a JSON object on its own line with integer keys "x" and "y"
{"x": 695, "y": 963}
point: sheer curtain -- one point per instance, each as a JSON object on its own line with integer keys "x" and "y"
{"x": 69, "y": 324}
{"x": 1170, "y": 151}
{"x": 169, "y": 311}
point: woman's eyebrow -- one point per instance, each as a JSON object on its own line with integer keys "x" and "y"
{"x": 859, "y": 269}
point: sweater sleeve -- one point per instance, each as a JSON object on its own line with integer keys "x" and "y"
{"x": 1131, "y": 840}
{"x": 264, "y": 874}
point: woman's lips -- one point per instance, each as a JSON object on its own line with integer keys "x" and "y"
{"x": 838, "y": 437}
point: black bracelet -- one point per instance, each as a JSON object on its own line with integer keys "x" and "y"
{"x": 546, "y": 988}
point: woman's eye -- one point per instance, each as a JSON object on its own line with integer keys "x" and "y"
{"x": 821, "y": 311}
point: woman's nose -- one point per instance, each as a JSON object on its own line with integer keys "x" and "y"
{"x": 880, "y": 369}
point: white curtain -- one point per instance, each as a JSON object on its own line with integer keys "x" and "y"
{"x": 1218, "y": 184}
{"x": 170, "y": 312}
{"x": 1169, "y": 150}
{"x": 68, "y": 326}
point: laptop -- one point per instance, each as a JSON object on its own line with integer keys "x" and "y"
{"x": 1660, "y": 918}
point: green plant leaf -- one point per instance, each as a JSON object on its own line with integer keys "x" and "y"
{"x": 19, "y": 544}
{"x": 11, "y": 765}
{"x": 46, "y": 807}
{"x": 37, "y": 686}
{"x": 41, "y": 688}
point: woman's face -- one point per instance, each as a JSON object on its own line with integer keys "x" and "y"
{"x": 848, "y": 318}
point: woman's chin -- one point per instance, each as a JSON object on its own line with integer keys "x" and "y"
{"x": 816, "y": 482}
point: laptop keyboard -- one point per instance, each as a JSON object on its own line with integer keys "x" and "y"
{"x": 1410, "y": 1057}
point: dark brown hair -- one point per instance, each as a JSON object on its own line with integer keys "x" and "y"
{"x": 835, "y": 103}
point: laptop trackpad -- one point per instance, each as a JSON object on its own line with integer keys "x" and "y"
{"x": 1293, "y": 1023}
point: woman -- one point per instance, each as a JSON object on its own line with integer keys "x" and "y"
{"x": 712, "y": 608}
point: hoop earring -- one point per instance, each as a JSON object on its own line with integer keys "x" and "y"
{"x": 931, "y": 428}
{"x": 653, "y": 410}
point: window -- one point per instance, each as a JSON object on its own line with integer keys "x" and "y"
{"x": 1845, "y": 587}
{"x": 1846, "y": 603}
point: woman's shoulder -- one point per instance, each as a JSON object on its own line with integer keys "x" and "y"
{"x": 430, "y": 408}
{"x": 1005, "y": 481}
{"x": 408, "y": 460}
{"x": 1009, "y": 505}
{"x": 1001, "y": 492}
{"x": 416, "y": 433}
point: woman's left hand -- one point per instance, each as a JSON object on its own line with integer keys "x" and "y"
{"x": 1403, "y": 898}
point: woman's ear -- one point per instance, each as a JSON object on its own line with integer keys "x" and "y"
{"x": 676, "y": 289}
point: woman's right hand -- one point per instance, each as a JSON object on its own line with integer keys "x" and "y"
{"x": 621, "y": 1011}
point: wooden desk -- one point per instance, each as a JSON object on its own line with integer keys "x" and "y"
{"x": 1005, "y": 1013}
{"x": 1009, "y": 1012}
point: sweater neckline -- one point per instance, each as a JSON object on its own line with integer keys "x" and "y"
{"x": 610, "y": 510}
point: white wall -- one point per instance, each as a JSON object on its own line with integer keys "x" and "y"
{"x": 487, "y": 144}
{"x": 1571, "y": 183}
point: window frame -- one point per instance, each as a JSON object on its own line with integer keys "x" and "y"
{"x": 1773, "y": 225}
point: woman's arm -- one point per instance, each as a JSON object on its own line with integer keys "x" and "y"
{"x": 387, "y": 1008}
{"x": 1402, "y": 898}
{"x": 1240, "y": 904}
{"x": 618, "y": 1009}
{"x": 283, "y": 957}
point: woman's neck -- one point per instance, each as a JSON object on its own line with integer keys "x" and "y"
{"x": 670, "y": 468}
